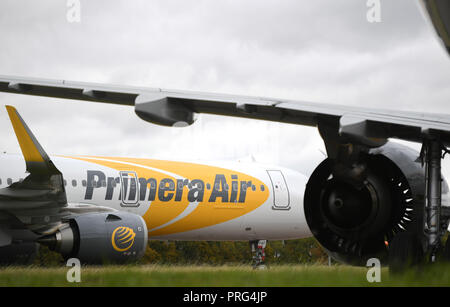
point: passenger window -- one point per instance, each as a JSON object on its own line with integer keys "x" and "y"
{"x": 0, "y": 181}
{"x": 74, "y": 183}
{"x": 83, "y": 183}
{"x": 65, "y": 182}
{"x": 262, "y": 188}
{"x": 9, "y": 181}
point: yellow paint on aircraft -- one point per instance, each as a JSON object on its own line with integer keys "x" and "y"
{"x": 206, "y": 213}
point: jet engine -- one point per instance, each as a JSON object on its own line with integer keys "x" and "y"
{"x": 355, "y": 220}
{"x": 116, "y": 237}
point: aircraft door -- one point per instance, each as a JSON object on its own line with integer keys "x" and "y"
{"x": 280, "y": 190}
{"x": 129, "y": 189}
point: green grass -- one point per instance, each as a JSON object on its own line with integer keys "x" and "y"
{"x": 198, "y": 276}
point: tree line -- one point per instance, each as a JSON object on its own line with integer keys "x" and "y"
{"x": 302, "y": 251}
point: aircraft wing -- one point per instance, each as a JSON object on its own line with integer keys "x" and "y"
{"x": 44, "y": 186}
{"x": 438, "y": 12}
{"x": 170, "y": 107}
{"x": 42, "y": 192}
{"x": 39, "y": 201}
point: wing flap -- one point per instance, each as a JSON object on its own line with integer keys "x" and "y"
{"x": 23, "y": 194}
{"x": 68, "y": 90}
{"x": 22, "y": 205}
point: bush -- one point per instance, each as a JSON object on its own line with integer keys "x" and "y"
{"x": 300, "y": 251}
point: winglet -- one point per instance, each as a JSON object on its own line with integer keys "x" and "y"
{"x": 32, "y": 151}
{"x": 43, "y": 173}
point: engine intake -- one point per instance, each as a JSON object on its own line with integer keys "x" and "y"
{"x": 355, "y": 222}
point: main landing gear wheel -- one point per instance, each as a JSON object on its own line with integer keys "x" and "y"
{"x": 405, "y": 252}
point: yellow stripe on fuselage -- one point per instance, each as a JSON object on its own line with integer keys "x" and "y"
{"x": 160, "y": 214}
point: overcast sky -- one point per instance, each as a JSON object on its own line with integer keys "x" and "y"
{"x": 319, "y": 51}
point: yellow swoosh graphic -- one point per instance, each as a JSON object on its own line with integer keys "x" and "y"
{"x": 206, "y": 213}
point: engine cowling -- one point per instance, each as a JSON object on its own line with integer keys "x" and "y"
{"x": 101, "y": 237}
{"x": 356, "y": 222}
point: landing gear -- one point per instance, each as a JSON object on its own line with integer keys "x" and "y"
{"x": 259, "y": 255}
{"x": 409, "y": 248}
{"x": 433, "y": 156}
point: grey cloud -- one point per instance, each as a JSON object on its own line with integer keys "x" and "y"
{"x": 321, "y": 51}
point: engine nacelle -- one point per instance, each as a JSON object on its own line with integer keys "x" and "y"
{"x": 355, "y": 222}
{"x": 101, "y": 237}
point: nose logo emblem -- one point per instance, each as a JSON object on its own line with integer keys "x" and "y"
{"x": 122, "y": 238}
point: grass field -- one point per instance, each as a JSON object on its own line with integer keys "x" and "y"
{"x": 199, "y": 276}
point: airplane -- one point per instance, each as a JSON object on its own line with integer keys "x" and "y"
{"x": 370, "y": 198}
{"x": 106, "y": 208}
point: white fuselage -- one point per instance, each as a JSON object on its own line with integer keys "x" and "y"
{"x": 185, "y": 200}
